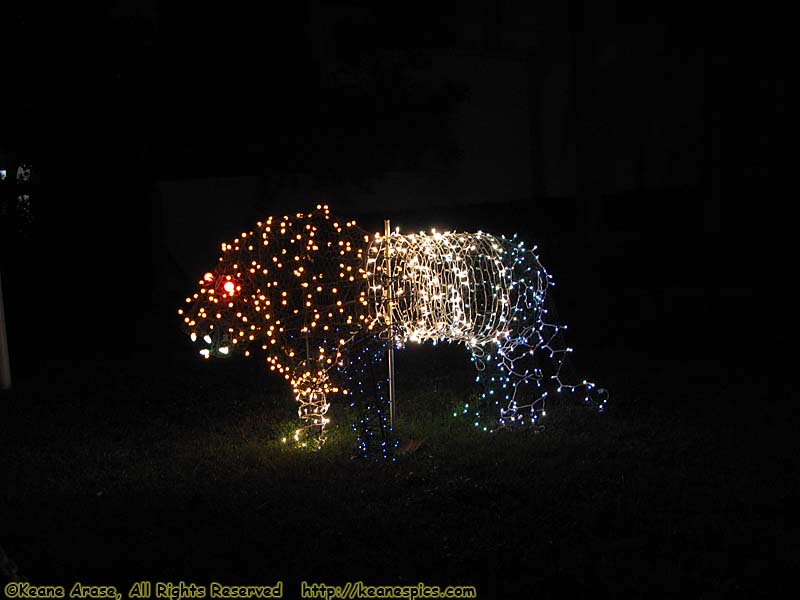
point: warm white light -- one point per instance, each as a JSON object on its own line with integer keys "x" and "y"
{"x": 451, "y": 286}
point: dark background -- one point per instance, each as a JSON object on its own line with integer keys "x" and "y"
{"x": 643, "y": 146}
{"x": 639, "y": 146}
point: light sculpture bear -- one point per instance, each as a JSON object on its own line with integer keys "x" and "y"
{"x": 321, "y": 299}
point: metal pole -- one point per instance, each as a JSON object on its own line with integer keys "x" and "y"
{"x": 5, "y": 364}
{"x": 390, "y": 294}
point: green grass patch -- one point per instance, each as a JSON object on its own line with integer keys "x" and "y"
{"x": 176, "y": 470}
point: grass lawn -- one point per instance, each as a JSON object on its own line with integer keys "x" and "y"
{"x": 166, "y": 468}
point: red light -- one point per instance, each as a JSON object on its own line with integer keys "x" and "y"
{"x": 229, "y": 287}
{"x": 208, "y": 277}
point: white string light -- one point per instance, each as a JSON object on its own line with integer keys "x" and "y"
{"x": 450, "y": 286}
